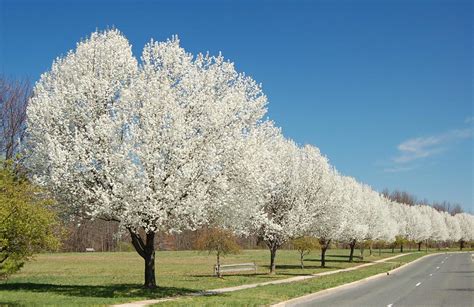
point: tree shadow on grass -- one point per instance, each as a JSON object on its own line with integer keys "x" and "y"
{"x": 340, "y": 261}
{"x": 293, "y": 270}
{"x": 102, "y": 291}
{"x": 344, "y": 256}
{"x": 298, "y": 267}
{"x": 232, "y": 274}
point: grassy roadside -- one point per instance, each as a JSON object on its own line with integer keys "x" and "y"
{"x": 109, "y": 278}
{"x": 266, "y": 295}
{"x": 69, "y": 279}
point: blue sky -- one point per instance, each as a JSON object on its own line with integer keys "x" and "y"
{"x": 383, "y": 88}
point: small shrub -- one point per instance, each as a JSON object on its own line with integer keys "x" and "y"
{"x": 305, "y": 245}
{"x": 219, "y": 241}
{"x": 28, "y": 224}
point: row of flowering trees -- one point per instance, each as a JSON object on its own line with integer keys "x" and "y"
{"x": 174, "y": 142}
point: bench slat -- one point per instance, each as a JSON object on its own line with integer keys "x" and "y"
{"x": 237, "y": 267}
{"x": 232, "y": 270}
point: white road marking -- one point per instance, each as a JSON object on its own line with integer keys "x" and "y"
{"x": 389, "y": 305}
{"x": 431, "y": 274}
{"x": 418, "y": 284}
{"x": 437, "y": 267}
{"x": 442, "y": 262}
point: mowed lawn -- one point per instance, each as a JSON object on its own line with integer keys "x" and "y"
{"x": 271, "y": 294}
{"x": 108, "y": 278}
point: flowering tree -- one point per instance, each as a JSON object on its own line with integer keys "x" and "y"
{"x": 380, "y": 225}
{"x": 329, "y": 211}
{"x": 176, "y": 142}
{"x": 356, "y": 229}
{"x": 424, "y": 226}
{"x": 387, "y": 227}
{"x": 151, "y": 145}
{"x": 417, "y": 228}
{"x": 398, "y": 213}
{"x": 278, "y": 211}
{"x": 452, "y": 224}
{"x": 466, "y": 223}
{"x": 283, "y": 176}
{"x": 439, "y": 231}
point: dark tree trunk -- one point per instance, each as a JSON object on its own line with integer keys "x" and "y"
{"x": 324, "y": 247}
{"x": 393, "y": 249}
{"x": 301, "y": 259}
{"x": 352, "y": 246}
{"x": 147, "y": 251}
{"x": 419, "y": 246}
{"x": 461, "y": 244}
{"x": 370, "y": 249}
{"x": 273, "y": 246}
{"x": 401, "y": 247}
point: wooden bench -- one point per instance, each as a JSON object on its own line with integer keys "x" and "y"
{"x": 238, "y": 267}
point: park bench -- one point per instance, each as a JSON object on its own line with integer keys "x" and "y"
{"x": 89, "y": 249}
{"x": 238, "y": 267}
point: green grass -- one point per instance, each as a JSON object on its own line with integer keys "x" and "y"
{"x": 271, "y": 294}
{"x": 108, "y": 278}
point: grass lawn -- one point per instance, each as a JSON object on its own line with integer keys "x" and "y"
{"x": 266, "y": 295}
{"x": 108, "y": 278}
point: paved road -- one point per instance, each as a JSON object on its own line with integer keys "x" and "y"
{"x": 440, "y": 280}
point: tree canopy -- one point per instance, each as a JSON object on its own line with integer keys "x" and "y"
{"x": 27, "y": 223}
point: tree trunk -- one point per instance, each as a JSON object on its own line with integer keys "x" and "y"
{"x": 150, "y": 281}
{"x": 147, "y": 251}
{"x": 352, "y": 245}
{"x": 273, "y": 250}
{"x": 370, "y": 249}
{"x": 324, "y": 247}
{"x": 401, "y": 247}
{"x": 419, "y": 246}
{"x": 393, "y": 249}
{"x": 301, "y": 259}
{"x": 380, "y": 251}
{"x": 461, "y": 244}
{"x": 362, "y": 251}
{"x": 219, "y": 275}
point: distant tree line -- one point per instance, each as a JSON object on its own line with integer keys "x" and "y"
{"x": 411, "y": 200}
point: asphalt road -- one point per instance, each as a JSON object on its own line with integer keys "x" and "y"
{"x": 440, "y": 280}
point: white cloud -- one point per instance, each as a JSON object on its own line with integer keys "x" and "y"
{"x": 398, "y": 169}
{"x": 469, "y": 120}
{"x": 423, "y": 147}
